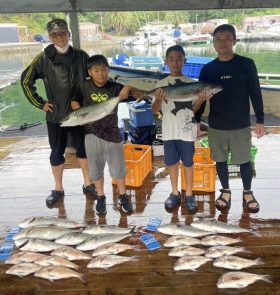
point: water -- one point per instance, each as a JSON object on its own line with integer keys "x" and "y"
{"x": 15, "y": 109}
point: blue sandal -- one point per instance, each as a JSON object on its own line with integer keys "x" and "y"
{"x": 190, "y": 203}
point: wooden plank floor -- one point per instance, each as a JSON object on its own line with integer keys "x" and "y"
{"x": 25, "y": 181}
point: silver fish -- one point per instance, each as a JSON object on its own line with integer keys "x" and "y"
{"x": 180, "y": 251}
{"x": 239, "y": 279}
{"x": 56, "y": 260}
{"x": 218, "y": 227}
{"x": 40, "y": 221}
{"x": 190, "y": 262}
{"x": 59, "y": 272}
{"x": 39, "y": 246}
{"x": 175, "y": 241}
{"x": 20, "y": 242}
{"x": 97, "y": 241}
{"x": 23, "y": 269}
{"x": 72, "y": 238}
{"x": 218, "y": 251}
{"x": 106, "y": 261}
{"x": 90, "y": 113}
{"x": 107, "y": 229}
{"x": 182, "y": 230}
{"x": 235, "y": 262}
{"x": 70, "y": 253}
{"x": 41, "y": 232}
{"x": 215, "y": 240}
{"x": 113, "y": 248}
{"x": 24, "y": 257}
{"x": 174, "y": 92}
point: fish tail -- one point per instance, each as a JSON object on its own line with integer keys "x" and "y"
{"x": 266, "y": 278}
{"x": 136, "y": 248}
{"x": 83, "y": 278}
{"x": 134, "y": 258}
{"x": 259, "y": 261}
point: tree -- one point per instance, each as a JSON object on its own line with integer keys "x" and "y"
{"x": 177, "y": 17}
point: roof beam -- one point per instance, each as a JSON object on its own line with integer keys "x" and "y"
{"x": 32, "y": 6}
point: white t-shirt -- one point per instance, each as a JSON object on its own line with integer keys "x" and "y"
{"x": 178, "y": 122}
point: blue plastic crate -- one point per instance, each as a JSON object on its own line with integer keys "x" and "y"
{"x": 193, "y": 66}
{"x": 140, "y": 114}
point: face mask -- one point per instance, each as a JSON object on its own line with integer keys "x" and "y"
{"x": 62, "y": 49}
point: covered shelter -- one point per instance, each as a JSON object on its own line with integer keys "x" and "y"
{"x": 75, "y": 6}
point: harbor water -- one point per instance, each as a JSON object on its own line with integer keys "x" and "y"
{"x": 15, "y": 109}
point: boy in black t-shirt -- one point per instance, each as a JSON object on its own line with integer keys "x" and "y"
{"x": 229, "y": 116}
{"x": 103, "y": 141}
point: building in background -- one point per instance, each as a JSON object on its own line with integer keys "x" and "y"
{"x": 9, "y": 33}
{"x": 89, "y": 32}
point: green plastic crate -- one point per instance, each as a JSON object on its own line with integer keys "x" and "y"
{"x": 204, "y": 143}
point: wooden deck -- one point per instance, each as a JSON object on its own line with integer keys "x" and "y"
{"x": 26, "y": 181}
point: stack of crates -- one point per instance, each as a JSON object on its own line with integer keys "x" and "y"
{"x": 204, "y": 171}
{"x": 138, "y": 160}
{"x": 233, "y": 169}
{"x": 141, "y": 125}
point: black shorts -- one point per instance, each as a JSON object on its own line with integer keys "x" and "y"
{"x": 58, "y": 139}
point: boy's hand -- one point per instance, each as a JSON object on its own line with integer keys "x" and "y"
{"x": 124, "y": 93}
{"x": 75, "y": 105}
{"x": 48, "y": 107}
{"x": 160, "y": 95}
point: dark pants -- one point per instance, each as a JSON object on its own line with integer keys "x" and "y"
{"x": 58, "y": 141}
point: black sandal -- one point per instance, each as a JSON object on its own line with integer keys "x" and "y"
{"x": 246, "y": 204}
{"x": 221, "y": 198}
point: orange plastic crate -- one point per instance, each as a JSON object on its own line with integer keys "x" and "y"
{"x": 202, "y": 155}
{"x": 138, "y": 164}
{"x": 204, "y": 178}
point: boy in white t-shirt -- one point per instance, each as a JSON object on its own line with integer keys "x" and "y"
{"x": 179, "y": 128}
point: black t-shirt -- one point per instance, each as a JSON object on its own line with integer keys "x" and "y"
{"x": 230, "y": 108}
{"x": 88, "y": 94}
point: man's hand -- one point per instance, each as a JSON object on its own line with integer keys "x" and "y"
{"x": 48, "y": 107}
{"x": 259, "y": 130}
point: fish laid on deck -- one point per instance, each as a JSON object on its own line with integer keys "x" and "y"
{"x": 70, "y": 253}
{"x": 218, "y": 227}
{"x": 59, "y": 272}
{"x": 40, "y": 221}
{"x": 215, "y": 240}
{"x": 42, "y": 232}
{"x": 106, "y": 261}
{"x": 56, "y": 260}
{"x": 23, "y": 269}
{"x": 190, "y": 262}
{"x": 73, "y": 238}
{"x": 97, "y": 241}
{"x": 180, "y": 251}
{"x": 24, "y": 257}
{"x": 238, "y": 279}
{"x": 175, "y": 241}
{"x": 90, "y": 113}
{"x": 114, "y": 248}
{"x": 235, "y": 262}
{"x": 37, "y": 245}
{"x": 183, "y": 230}
{"x": 218, "y": 251}
{"x": 107, "y": 229}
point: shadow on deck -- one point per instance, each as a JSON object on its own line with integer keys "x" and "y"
{"x": 26, "y": 181}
